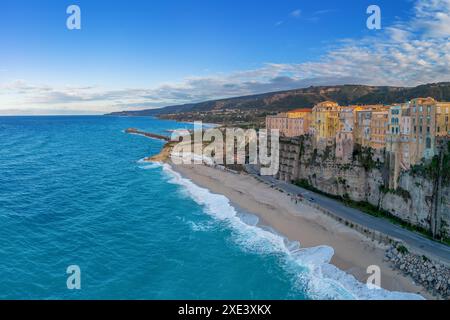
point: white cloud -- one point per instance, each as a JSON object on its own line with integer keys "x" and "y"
{"x": 296, "y": 13}
{"x": 433, "y": 16}
{"x": 407, "y": 53}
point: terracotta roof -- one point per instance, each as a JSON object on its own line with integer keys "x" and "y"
{"x": 428, "y": 100}
{"x": 300, "y": 110}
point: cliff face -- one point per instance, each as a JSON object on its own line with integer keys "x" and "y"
{"x": 414, "y": 201}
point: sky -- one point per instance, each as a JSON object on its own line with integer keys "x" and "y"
{"x": 141, "y": 54}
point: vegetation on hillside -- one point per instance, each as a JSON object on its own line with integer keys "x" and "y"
{"x": 431, "y": 170}
{"x": 364, "y": 156}
{"x": 372, "y": 210}
{"x": 307, "y": 98}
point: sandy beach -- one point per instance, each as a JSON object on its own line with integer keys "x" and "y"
{"x": 300, "y": 222}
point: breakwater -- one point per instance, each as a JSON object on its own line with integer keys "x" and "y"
{"x": 147, "y": 134}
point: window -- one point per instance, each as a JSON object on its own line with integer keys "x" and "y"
{"x": 428, "y": 146}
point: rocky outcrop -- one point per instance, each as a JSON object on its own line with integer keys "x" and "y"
{"x": 163, "y": 156}
{"x": 433, "y": 276}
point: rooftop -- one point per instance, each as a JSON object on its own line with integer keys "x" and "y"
{"x": 301, "y": 110}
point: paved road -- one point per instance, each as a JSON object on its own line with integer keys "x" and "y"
{"x": 412, "y": 239}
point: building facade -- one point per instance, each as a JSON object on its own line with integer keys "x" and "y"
{"x": 442, "y": 119}
{"x": 402, "y": 135}
{"x": 345, "y": 135}
{"x": 378, "y": 129}
{"x": 326, "y": 122}
{"x": 423, "y": 136}
{"x": 291, "y": 124}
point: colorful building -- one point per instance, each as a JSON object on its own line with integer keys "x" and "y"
{"x": 326, "y": 122}
{"x": 401, "y": 135}
{"x": 423, "y": 136}
{"x": 405, "y": 137}
{"x": 442, "y": 119}
{"x": 378, "y": 129}
{"x": 398, "y": 142}
{"x": 345, "y": 136}
{"x": 363, "y": 119}
{"x": 277, "y": 122}
{"x": 291, "y": 124}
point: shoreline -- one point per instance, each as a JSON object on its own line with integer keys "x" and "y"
{"x": 353, "y": 253}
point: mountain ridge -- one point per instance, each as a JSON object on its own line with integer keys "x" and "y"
{"x": 306, "y": 98}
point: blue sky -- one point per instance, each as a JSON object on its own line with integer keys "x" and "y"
{"x": 144, "y": 54}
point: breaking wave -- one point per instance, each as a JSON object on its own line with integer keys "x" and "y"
{"x": 313, "y": 270}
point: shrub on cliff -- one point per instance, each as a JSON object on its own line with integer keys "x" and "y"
{"x": 364, "y": 155}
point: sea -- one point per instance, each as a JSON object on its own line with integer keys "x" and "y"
{"x": 74, "y": 191}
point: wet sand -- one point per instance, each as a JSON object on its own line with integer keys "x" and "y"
{"x": 300, "y": 222}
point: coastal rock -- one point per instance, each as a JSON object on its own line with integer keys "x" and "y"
{"x": 433, "y": 276}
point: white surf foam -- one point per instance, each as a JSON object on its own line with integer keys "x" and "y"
{"x": 321, "y": 279}
{"x": 145, "y": 165}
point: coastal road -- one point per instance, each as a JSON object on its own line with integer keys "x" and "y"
{"x": 412, "y": 239}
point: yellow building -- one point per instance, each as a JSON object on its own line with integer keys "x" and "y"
{"x": 326, "y": 123}
{"x": 442, "y": 119}
{"x": 303, "y": 113}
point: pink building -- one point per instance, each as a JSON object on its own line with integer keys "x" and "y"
{"x": 291, "y": 124}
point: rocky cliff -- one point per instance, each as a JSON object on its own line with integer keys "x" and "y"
{"x": 362, "y": 181}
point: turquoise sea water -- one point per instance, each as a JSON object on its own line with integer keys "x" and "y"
{"x": 73, "y": 192}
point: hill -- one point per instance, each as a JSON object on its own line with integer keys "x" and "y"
{"x": 307, "y": 98}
